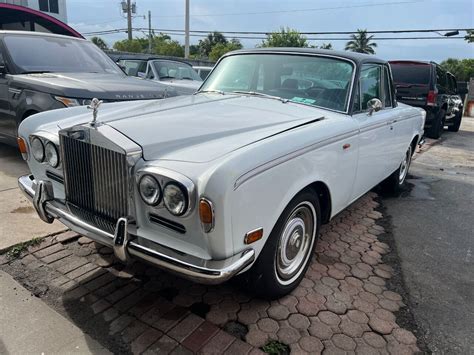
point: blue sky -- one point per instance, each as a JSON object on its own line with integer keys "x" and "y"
{"x": 302, "y": 15}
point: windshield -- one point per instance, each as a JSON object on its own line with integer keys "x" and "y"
{"x": 175, "y": 70}
{"x": 313, "y": 80}
{"x": 53, "y": 54}
{"x": 411, "y": 73}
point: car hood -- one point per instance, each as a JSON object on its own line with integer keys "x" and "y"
{"x": 89, "y": 85}
{"x": 201, "y": 128}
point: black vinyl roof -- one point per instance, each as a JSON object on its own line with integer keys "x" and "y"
{"x": 358, "y": 58}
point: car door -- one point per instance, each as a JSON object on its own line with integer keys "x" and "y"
{"x": 376, "y": 136}
{"x": 6, "y": 119}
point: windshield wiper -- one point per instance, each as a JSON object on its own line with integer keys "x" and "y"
{"x": 167, "y": 77}
{"x": 186, "y": 78}
{"x": 255, "y": 93}
{"x": 211, "y": 91}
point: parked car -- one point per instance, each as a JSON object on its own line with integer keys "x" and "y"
{"x": 236, "y": 179}
{"x": 40, "y": 72}
{"x": 178, "y": 75}
{"x": 202, "y": 71}
{"x": 428, "y": 85}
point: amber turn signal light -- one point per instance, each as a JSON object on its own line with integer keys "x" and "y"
{"x": 206, "y": 214}
{"x": 23, "y": 147}
{"x": 253, "y": 236}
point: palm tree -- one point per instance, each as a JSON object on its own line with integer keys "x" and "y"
{"x": 99, "y": 42}
{"x": 361, "y": 43}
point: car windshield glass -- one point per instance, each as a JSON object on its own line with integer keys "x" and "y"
{"x": 175, "y": 70}
{"x": 418, "y": 74}
{"x": 312, "y": 80}
{"x": 37, "y": 54}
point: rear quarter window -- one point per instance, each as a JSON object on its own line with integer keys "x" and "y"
{"x": 411, "y": 73}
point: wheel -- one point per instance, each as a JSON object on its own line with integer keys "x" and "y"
{"x": 457, "y": 122}
{"x": 436, "y": 130}
{"x": 395, "y": 182}
{"x": 288, "y": 251}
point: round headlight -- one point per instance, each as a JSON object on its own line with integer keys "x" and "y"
{"x": 52, "y": 156}
{"x": 175, "y": 199}
{"x": 37, "y": 149}
{"x": 150, "y": 190}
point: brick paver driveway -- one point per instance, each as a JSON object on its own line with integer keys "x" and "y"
{"x": 341, "y": 306}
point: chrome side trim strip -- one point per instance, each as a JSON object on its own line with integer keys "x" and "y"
{"x": 284, "y": 158}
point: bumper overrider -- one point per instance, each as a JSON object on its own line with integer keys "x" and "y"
{"x": 125, "y": 244}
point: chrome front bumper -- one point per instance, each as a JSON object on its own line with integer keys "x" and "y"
{"x": 126, "y": 245}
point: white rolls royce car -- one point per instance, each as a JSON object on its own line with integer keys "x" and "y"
{"x": 235, "y": 179}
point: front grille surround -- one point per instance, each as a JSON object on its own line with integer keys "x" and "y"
{"x": 97, "y": 165}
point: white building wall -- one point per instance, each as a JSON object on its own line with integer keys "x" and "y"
{"x": 34, "y": 4}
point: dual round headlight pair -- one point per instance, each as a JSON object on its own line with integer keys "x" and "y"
{"x": 45, "y": 151}
{"x": 174, "y": 195}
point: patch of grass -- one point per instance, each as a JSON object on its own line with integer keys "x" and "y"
{"x": 15, "y": 251}
{"x": 276, "y": 348}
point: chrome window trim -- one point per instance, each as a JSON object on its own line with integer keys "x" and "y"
{"x": 354, "y": 66}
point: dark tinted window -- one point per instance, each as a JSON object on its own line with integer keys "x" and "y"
{"x": 53, "y": 6}
{"x": 411, "y": 73}
{"x": 43, "y": 5}
{"x": 441, "y": 81}
{"x": 31, "y": 53}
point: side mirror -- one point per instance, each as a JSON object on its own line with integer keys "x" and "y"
{"x": 374, "y": 105}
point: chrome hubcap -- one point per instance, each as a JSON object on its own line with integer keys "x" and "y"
{"x": 404, "y": 167}
{"x": 295, "y": 243}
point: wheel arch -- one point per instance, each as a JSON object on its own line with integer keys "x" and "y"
{"x": 413, "y": 143}
{"x": 28, "y": 113}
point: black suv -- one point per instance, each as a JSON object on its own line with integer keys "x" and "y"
{"x": 429, "y": 86}
{"x": 40, "y": 72}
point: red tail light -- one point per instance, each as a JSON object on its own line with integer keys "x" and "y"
{"x": 431, "y": 99}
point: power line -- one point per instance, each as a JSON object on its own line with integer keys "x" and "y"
{"x": 170, "y": 31}
{"x": 181, "y": 33}
{"x": 297, "y": 10}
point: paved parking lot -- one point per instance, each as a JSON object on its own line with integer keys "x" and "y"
{"x": 342, "y": 305}
{"x": 18, "y": 219}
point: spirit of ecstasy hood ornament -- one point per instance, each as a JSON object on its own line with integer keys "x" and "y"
{"x": 94, "y": 106}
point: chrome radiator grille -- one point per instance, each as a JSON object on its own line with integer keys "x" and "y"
{"x": 96, "y": 181}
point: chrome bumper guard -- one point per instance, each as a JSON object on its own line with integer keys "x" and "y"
{"x": 126, "y": 245}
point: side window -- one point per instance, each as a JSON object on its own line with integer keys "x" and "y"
{"x": 387, "y": 88}
{"x": 455, "y": 85}
{"x": 370, "y": 84}
{"x": 441, "y": 80}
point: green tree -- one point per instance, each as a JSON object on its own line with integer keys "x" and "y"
{"x": 462, "y": 69}
{"x": 163, "y": 44}
{"x": 469, "y": 36}
{"x": 220, "y": 49}
{"x": 326, "y": 46}
{"x": 286, "y": 37}
{"x": 99, "y": 42}
{"x": 206, "y": 44}
{"x": 361, "y": 43}
{"x": 136, "y": 45}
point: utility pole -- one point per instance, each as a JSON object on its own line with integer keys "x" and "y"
{"x": 129, "y": 19}
{"x": 149, "y": 31}
{"x": 186, "y": 30}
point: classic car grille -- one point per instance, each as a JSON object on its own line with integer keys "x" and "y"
{"x": 96, "y": 180}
